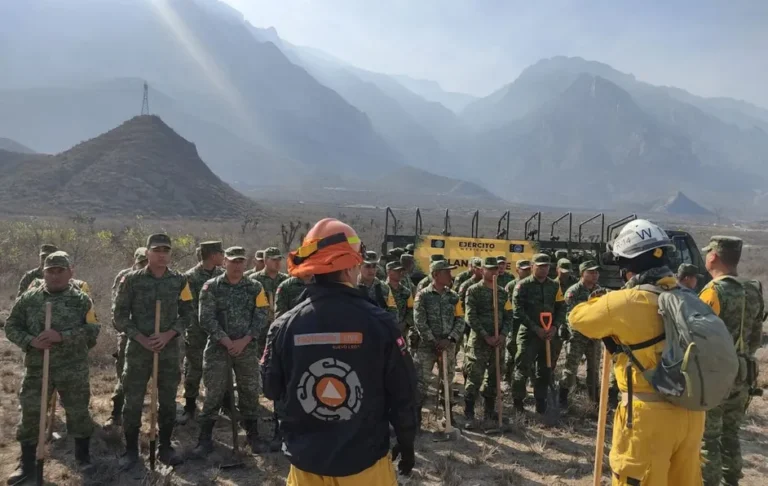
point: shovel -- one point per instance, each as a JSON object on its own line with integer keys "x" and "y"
{"x": 234, "y": 416}
{"x": 450, "y": 433}
{"x": 153, "y": 395}
{"x": 499, "y": 403}
{"x": 41, "y": 452}
{"x": 602, "y": 416}
{"x": 553, "y": 402}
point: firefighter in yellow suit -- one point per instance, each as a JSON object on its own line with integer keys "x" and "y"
{"x": 654, "y": 442}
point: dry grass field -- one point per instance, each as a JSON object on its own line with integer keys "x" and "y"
{"x": 529, "y": 454}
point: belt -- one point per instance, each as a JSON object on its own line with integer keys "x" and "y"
{"x": 642, "y": 397}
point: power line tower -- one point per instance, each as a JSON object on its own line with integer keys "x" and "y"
{"x": 145, "y": 102}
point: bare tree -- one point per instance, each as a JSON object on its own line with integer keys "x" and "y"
{"x": 249, "y": 221}
{"x": 289, "y": 234}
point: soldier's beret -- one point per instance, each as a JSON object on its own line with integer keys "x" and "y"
{"x": 158, "y": 240}
{"x": 47, "y": 249}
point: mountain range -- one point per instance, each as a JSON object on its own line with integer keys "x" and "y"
{"x": 268, "y": 115}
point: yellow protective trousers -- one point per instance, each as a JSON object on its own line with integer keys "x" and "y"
{"x": 663, "y": 447}
{"x": 380, "y": 474}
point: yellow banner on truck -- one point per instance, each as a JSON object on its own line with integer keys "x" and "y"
{"x": 460, "y": 250}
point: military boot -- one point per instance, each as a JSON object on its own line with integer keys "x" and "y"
{"x": 189, "y": 412}
{"x": 276, "y": 444}
{"x": 115, "y": 419}
{"x": 541, "y": 405}
{"x": 83, "y": 454}
{"x": 469, "y": 414}
{"x": 165, "y": 452}
{"x": 489, "y": 408}
{"x": 131, "y": 456}
{"x": 563, "y": 397}
{"x": 257, "y": 445}
{"x": 26, "y": 467}
{"x": 205, "y": 440}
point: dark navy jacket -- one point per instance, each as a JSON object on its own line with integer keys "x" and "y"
{"x": 341, "y": 370}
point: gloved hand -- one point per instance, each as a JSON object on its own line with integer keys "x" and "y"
{"x": 408, "y": 459}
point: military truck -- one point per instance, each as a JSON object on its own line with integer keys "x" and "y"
{"x": 580, "y": 247}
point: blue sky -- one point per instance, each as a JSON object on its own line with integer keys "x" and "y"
{"x": 711, "y": 48}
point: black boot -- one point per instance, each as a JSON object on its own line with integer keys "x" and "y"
{"x": 518, "y": 405}
{"x": 563, "y": 397}
{"x": 489, "y": 408}
{"x": 205, "y": 440}
{"x": 541, "y": 405}
{"x": 165, "y": 452}
{"x": 115, "y": 420}
{"x": 469, "y": 413}
{"x": 83, "y": 454}
{"x": 189, "y": 412}
{"x": 276, "y": 444}
{"x": 26, "y": 467}
{"x": 131, "y": 456}
{"x": 257, "y": 445}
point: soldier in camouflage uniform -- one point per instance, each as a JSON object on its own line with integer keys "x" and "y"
{"x": 139, "y": 261}
{"x": 565, "y": 275}
{"x": 73, "y": 332}
{"x": 428, "y": 279}
{"x": 461, "y": 278}
{"x": 270, "y": 277}
{"x": 439, "y": 319}
{"x": 195, "y": 337}
{"x": 258, "y": 264}
{"x": 476, "y": 265}
{"x": 482, "y": 342}
{"x": 402, "y": 295}
{"x": 375, "y": 289}
{"x": 523, "y": 271}
{"x": 35, "y": 273}
{"x": 409, "y": 265}
{"x": 579, "y": 345}
{"x": 381, "y": 266}
{"x": 134, "y": 312}
{"x": 233, "y": 312}
{"x": 532, "y": 297}
{"x": 289, "y": 293}
{"x": 504, "y": 276}
{"x": 739, "y": 303}
{"x": 688, "y": 276}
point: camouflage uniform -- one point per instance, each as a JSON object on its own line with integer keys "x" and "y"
{"x": 81, "y": 285}
{"x": 404, "y": 301}
{"x": 195, "y": 336}
{"x": 35, "y": 273}
{"x": 73, "y": 317}
{"x": 288, "y": 295}
{"x": 579, "y": 345}
{"x": 530, "y": 299}
{"x": 461, "y": 278}
{"x": 463, "y": 297}
{"x": 480, "y": 356}
{"x": 134, "y": 312}
{"x": 436, "y": 316}
{"x": 234, "y": 311}
{"x": 259, "y": 256}
{"x": 381, "y": 294}
{"x": 270, "y": 285}
{"x": 739, "y": 303}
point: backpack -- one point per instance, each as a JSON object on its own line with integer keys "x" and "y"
{"x": 699, "y": 362}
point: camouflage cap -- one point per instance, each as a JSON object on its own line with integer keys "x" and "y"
{"x": 719, "y": 243}
{"x": 438, "y": 265}
{"x": 564, "y": 265}
{"x": 371, "y": 258}
{"x": 501, "y": 259}
{"x": 523, "y": 264}
{"x": 540, "y": 259}
{"x": 436, "y": 258}
{"x": 47, "y": 249}
{"x": 259, "y": 255}
{"x": 140, "y": 255}
{"x": 588, "y": 265}
{"x": 273, "y": 253}
{"x": 490, "y": 262}
{"x": 410, "y": 248}
{"x": 561, "y": 254}
{"x": 406, "y": 257}
{"x": 212, "y": 246}
{"x": 687, "y": 270}
{"x": 57, "y": 259}
{"x": 394, "y": 266}
{"x": 396, "y": 252}
{"x": 476, "y": 262}
{"x": 235, "y": 253}
{"x": 158, "y": 240}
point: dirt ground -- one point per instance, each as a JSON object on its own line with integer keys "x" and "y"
{"x": 528, "y": 454}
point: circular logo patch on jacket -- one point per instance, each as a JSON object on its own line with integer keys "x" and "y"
{"x": 330, "y": 390}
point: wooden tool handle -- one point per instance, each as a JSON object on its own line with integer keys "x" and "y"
{"x": 602, "y": 416}
{"x": 549, "y": 353}
{"x": 40, "y": 453}
{"x": 153, "y": 392}
{"x": 495, "y": 307}
{"x": 446, "y": 392}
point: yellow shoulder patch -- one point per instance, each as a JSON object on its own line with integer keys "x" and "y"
{"x": 90, "y": 317}
{"x": 508, "y": 306}
{"x": 261, "y": 299}
{"x": 458, "y": 311}
{"x": 709, "y": 297}
{"x": 85, "y": 288}
{"x": 559, "y": 297}
{"x": 186, "y": 294}
{"x": 409, "y": 302}
{"x": 391, "y": 300}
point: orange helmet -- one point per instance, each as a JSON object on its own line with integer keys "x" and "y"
{"x": 329, "y": 246}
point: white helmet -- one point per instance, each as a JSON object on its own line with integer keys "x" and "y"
{"x": 638, "y": 237}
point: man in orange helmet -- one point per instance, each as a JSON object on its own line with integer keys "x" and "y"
{"x": 340, "y": 369}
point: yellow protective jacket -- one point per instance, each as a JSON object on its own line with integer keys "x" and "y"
{"x": 629, "y": 316}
